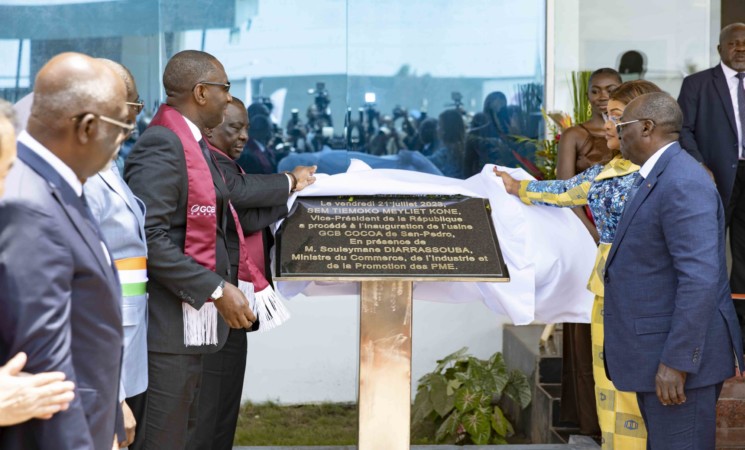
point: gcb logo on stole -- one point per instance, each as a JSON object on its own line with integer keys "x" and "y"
{"x": 202, "y": 210}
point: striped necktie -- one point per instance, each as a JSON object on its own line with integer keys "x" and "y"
{"x": 634, "y": 188}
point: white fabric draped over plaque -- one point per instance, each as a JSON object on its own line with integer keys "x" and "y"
{"x": 548, "y": 252}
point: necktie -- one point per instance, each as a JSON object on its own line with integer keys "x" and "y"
{"x": 94, "y": 227}
{"x": 205, "y": 150}
{"x": 212, "y": 164}
{"x": 87, "y": 211}
{"x": 741, "y": 109}
{"x": 634, "y": 188}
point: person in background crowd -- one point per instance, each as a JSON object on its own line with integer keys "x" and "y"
{"x": 61, "y": 296}
{"x": 478, "y": 120}
{"x": 449, "y": 158}
{"x": 713, "y": 104}
{"x": 605, "y": 189}
{"x": 428, "y": 136}
{"x": 24, "y": 396}
{"x": 671, "y": 332}
{"x": 257, "y": 109}
{"x": 632, "y": 65}
{"x": 258, "y": 156}
{"x": 121, "y": 218}
{"x": 387, "y": 140}
{"x": 194, "y": 299}
{"x": 485, "y": 143}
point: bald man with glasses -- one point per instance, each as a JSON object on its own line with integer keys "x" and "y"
{"x": 671, "y": 333}
{"x": 61, "y": 299}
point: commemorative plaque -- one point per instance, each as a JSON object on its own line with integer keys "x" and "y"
{"x": 387, "y": 243}
{"x": 388, "y": 237}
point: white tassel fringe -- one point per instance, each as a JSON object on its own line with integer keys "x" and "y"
{"x": 200, "y": 325}
{"x": 267, "y": 306}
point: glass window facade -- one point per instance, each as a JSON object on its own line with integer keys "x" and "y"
{"x": 331, "y": 61}
{"x": 661, "y": 41}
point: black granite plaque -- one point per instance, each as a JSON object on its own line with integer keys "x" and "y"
{"x": 368, "y": 237}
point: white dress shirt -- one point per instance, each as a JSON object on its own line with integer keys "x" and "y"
{"x": 193, "y": 128}
{"x": 63, "y": 169}
{"x": 60, "y": 167}
{"x": 649, "y": 165}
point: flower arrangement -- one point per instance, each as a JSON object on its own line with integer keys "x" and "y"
{"x": 557, "y": 122}
{"x": 547, "y": 149}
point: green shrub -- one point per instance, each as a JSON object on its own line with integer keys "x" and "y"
{"x": 461, "y": 397}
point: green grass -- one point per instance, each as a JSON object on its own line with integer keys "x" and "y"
{"x": 320, "y": 424}
{"x": 272, "y": 424}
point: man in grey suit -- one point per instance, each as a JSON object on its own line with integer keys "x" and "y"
{"x": 121, "y": 218}
{"x": 60, "y": 295}
{"x": 671, "y": 334}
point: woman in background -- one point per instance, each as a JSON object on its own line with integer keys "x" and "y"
{"x": 604, "y": 188}
{"x": 581, "y": 147}
{"x": 450, "y": 157}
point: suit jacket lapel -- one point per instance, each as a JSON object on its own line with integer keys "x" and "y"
{"x": 115, "y": 184}
{"x": 70, "y": 202}
{"x": 641, "y": 195}
{"x": 720, "y": 82}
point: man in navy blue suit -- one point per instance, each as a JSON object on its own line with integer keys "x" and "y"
{"x": 713, "y": 104}
{"x": 671, "y": 333}
{"x": 60, "y": 299}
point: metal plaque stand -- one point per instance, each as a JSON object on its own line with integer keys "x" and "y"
{"x": 313, "y": 244}
{"x": 385, "y": 365}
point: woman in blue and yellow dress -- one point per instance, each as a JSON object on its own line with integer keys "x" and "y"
{"x": 605, "y": 189}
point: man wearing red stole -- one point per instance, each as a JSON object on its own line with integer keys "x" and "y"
{"x": 194, "y": 299}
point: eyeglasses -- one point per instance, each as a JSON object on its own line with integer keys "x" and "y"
{"x": 608, "y": 117}
{"x": 137, "y": 106}
{"x": 126, "y": 128}
{"x": 225, "y": 86}
{"x": 619, "y": 126}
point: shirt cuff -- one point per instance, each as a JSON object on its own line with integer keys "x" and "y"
{"x": 289, "y": 183}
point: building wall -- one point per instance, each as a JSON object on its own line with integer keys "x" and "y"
{"x": 677, "y": 37}
{"x": 314, "y": 356}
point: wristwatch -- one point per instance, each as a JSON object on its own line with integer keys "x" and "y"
{"x": 217, "y": 294}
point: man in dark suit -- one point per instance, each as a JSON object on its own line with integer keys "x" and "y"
{"x": 713, "y": 104}
{"x": 259, "y": 201}
{"x": 197, "y": 92}
{"x": 671, "y": 333}
{"x": 60, "y": 297}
